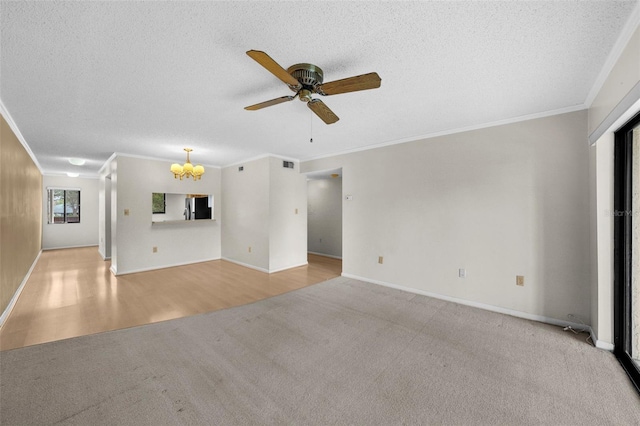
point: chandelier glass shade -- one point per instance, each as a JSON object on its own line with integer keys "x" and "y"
{"x": 187, "y": 169}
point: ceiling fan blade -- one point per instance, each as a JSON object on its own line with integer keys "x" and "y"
{"x": 274, "y": 68}
{"x": 322, "y": 111}
{"x": 351, "y": 84}
{"x": 265, "y": 104}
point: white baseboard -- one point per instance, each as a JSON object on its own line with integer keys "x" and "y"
{"x": 246, "y": 265}
{"x": 16, "y": 295}
{"x": 257, "y": 268}
{"x": 325, "y": 255}
{"x": 155, "y": 268}
{"x": 271, "y": 271}
{"x": 601, "y": 344}
{"x": 519, "y": 314}
{"x": 68, "y": 247}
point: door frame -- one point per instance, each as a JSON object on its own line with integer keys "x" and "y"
{"x": 623, "y": 191}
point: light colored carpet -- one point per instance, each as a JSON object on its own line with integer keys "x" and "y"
{"x": 339, "y": 352}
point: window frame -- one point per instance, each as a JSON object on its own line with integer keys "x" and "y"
{"x": 51, "y": 218}
{"x": 623, "y": 185}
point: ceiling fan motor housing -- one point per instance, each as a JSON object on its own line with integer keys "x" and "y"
{"x": 309, "y": 75}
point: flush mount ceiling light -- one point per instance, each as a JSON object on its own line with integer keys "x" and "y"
{"x": 73, "y": 174}
{"x": 188, "y": 169}
{"x": 77, "y": 161}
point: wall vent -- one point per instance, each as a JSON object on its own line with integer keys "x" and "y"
{"x": 287, "y": 164}
{"x": 241, "y": 168}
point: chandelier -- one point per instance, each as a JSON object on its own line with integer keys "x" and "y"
{"x": 188, "y": 169}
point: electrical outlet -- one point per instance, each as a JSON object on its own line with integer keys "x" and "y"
{"x": 249, "y": 249}
{"x": 520, "y": 280}
{"x": 380, "y": 260}
{"x": 155, "y": 249}
{"x": 462, "y": 273}
{"x": 296, "y": 211}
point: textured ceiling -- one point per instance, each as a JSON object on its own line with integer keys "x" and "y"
{"x": 87, "y": 79}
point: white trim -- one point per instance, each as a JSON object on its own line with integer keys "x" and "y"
{"x": 257, "y": 268}
{"x": 106, "y": 163}
{"x": 155, "y": 268}
{"x": 622, "y": 112}
{"x": 61, "y": 174}
{"x": 16, "y": 295}
{"x": 518, "y": 314}
{"x": 67, "y": 247}
{"x": 246, "y": 265}
{"x": 102, "y": 255}
{"x": 614, "y": 55}
{"x": 325, "y": 255}
{"x": 603, "y": 345}
{"x": 504, "y": 122}
{"x": 273, "y": 271}
{"x": 146, "y": 157}
{"x": 113, "y": 270}
{"x": 260, "y": 157}
{"x": 14, "y": 127}
{"x": 65, "y": 188}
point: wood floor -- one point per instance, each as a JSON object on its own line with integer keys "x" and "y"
{"x": 73, "y": 293}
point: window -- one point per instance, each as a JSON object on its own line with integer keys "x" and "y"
{"x": 63, "y": 205}
{"x": 158, "y": 202}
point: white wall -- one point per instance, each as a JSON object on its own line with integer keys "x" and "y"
{"x": 287, "y": 216}
{"x": 324, "y": 198}
{"x": 67, "y": 235}
{"x": 503, "y": 201}
{"x": 621, "y": 82}
{"x": 621, "y": 88}
{"x": 104, "y": 215}
{"x": 259, "y": 211}
{"x": 245, "y": 214}
{"x": 133, "y": 182}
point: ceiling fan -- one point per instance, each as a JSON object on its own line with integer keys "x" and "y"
{"x": 306, "y": 79}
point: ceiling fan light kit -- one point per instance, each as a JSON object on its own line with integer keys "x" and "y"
{"x": 307, "y": 79}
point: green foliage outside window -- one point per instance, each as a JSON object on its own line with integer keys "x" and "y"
{"x": 63, "y": 205}
{"x": 158, "y": 202}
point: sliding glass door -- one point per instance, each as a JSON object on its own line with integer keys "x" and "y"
{"x": 627, "y": 248}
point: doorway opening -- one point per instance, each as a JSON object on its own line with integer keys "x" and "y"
{"x": 324, "y": 210}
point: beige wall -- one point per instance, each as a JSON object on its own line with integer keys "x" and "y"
{"x": 245, "y": 214}
{"x": 85, "y": 233}
{"x": 616, "y": 102}
{"x": 287, "y": 216}
{"x": 503, "y": 201}
{"x": 133, "y": 180}
{"x": 259, "y": 207}
{"x": 20, "y": 213}
{"x": 623, "y": 81}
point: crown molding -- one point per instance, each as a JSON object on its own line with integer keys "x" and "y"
{"x": 632, "y": 24}
{"x": 260, "y": 157}
{"x": 513, "y": 120}
{"x": 14, "y": 127}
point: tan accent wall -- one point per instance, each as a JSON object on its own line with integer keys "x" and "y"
{"x": 20, "y": 213}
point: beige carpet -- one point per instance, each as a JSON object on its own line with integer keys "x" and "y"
{"x": 339, "y": 352}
